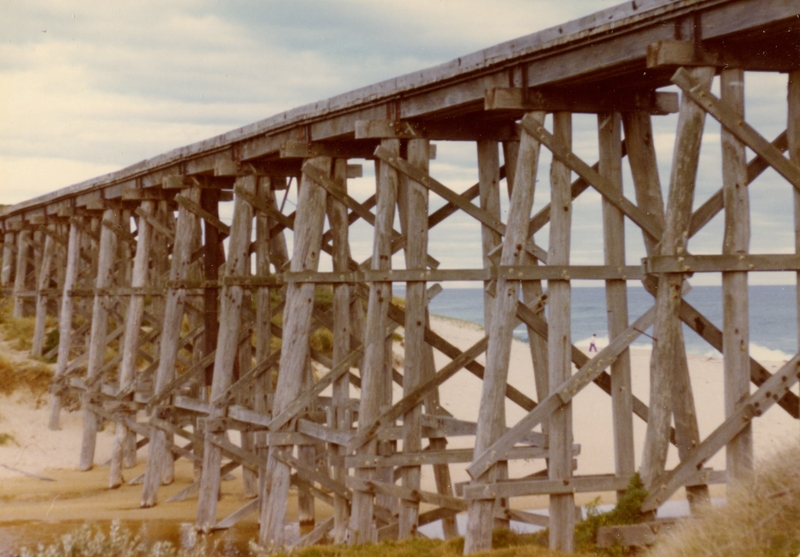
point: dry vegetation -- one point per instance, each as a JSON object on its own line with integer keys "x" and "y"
{"x": 91, "y": 541}
{"x": 760, "y": 519}
{"x": 18, "y": 331}
{"x": 18, "y": 373}
{"x": 28, "y": 377}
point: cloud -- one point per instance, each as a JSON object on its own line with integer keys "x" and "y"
{"x": 89, "y": 87}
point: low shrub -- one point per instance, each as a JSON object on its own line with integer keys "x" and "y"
{"x": 91, "y": 541}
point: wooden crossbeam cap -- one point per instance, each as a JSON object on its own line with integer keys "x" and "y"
{"x": 673, "y": 53}
{"x": 308, "y": 149}
{"x": 592, "y": 102}
{"x": 388, "y": 129}
{"x": 179, "y": 181}
{"x": 234, "y": 168}
{"x": 146, "y": 194}
{"x": 97, "y": 204}
{"x": 446, "y": 129}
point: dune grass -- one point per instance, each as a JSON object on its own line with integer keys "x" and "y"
{"x": 761, "y": 517}
{"x": 19, "y": 330}
{"x": 29, "y": 377}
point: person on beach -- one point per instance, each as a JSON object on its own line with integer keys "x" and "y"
{"x": 592, "y": 344}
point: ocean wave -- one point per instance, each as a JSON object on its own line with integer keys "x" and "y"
{"x": 758, "y": 353}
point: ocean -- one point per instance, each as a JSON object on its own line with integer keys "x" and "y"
{"x": 773, "y": 316}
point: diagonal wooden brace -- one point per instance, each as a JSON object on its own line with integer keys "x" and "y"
{"x": 560, "y": 396}
{"x": 597, "y": 181}
{"x": 758, "y": 403}
{"x": 743, "y": 131}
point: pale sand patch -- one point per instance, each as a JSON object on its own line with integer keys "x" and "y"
{"x": 592, "y": 422}
{"x": 84, "y": 495}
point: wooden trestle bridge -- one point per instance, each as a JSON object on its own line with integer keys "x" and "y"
{"x": 135, "y": 261}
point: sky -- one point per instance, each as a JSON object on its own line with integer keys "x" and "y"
{"x": 90, "y": 87}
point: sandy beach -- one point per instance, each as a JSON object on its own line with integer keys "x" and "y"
{"x": 62, "y": 494}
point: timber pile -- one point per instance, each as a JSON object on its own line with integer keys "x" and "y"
{"x": 135, "y": 261}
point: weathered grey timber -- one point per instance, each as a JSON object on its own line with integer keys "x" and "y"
{"x": 98, "y": 336}
{"x": 735, "y": 310}
{"x": 609, "y": 126}
{"x": 65, "y": 324}
{"x": 8, "y": 260}
{"x": 491, "y": 418}
{"x": 373, "y": 390}
{"x": 159, "y": 464}
{"x": 23, "y": 249}
{"x": 342, "y": 393}
{"x": 227, "y": 344}
{"x": 43, "y": 281}
{"x": 130, "y": 343}
{"x": 669, "y": 385}
{"x": 339, "y": 417}
{"x": 294, "y": 352}
{"x": 562, "y": 506}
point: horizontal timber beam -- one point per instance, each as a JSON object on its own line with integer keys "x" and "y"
{"x": 592, "y": 102}
{"x": 720, "y": 263}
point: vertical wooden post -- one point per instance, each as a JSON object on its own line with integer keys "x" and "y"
{"x": 491, "y": 416}
{"x": 37, "y": 253}
{"x": 160, "y": 459}
{"x": 337, "y": 217}
{"x": 295, "y": 349}
{"x": 45, "y": 272}
{"x": 23, "y": 248}
{"x": 160, "y": 269}
{"x": 489, "y": 191}
{"x": 669, "y": 384}
{"x": 245, "y": 398}
{"x": 279, "y": 252}
{"x": 8, "y": 260}
{"x": 65, "y": 322}
{"x": 263, "y": 387}
{"x": 562, "y": 507}
{"x": 531, "y": 290}
{"x": 735, "y": 330}
{"x": 60, "y": 267}
{"x": 610, "y": 137}
{"x": 644, "y": 169}
{"x": 793, "y": 135}
{"x": 307, "y": 454}
{"x": 416, "y": 214}
{"x": 226, "y": 349}
{"x": 130, "y": 343}
{"x": 99, "y": 329}
{"x": 373, "y": 380}
{"x": 213, "y": 257}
